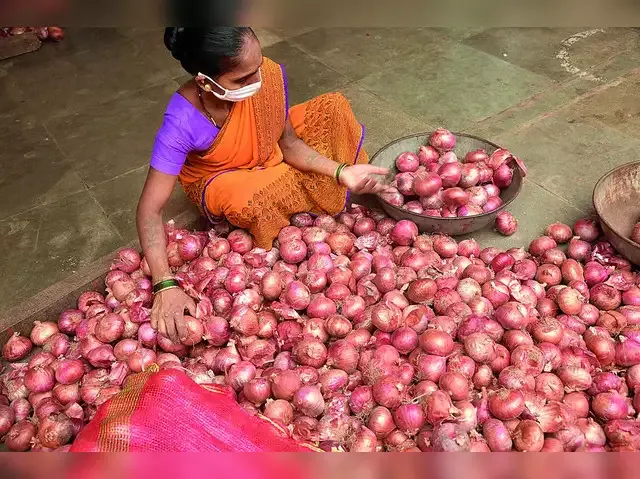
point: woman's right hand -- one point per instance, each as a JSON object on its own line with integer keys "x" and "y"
{"x": 167, "y": 314}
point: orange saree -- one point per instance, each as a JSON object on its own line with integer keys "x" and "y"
{"x": 243, "y": 175}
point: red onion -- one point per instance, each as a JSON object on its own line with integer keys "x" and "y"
{"x": 285, "y": 383}
{"x": 422, "y": 290}
{"x": 539, "y": 245}
{"x": 550, "y": 387}
{"x": 361, "y": 400}
{"x": 42, "y": 331}
{"x": 147, "y": 335}
{"x": 512, "y": 377}
{"x": 455, "y": 384}
{"x": 338, "y": 326}
{"x": 321, "y": 307}
{"x": 409, "y": 418}
{"x": 7, "y": 418}
{"x": 586, "y": 229}
{"x": 476, "y": 156}
{"x": 528, "y": 436}
{"x": 404, "y": 339}
{"x": 140, "y": 359}
{"x": 21, "y": 408}
{"x": 427, "y": 155}
{"x": 310, "y": 352}
{"x": 438, "y": 407}
{"x": 308, "y": 400}
{"x": 427, "y": 184}
{"x": 506, "y": 223}
{"x": 279, "y": 411}
{"x": 627, "y": 352}
{"x": 455, "y": 197}
{"x": 127, "y": 260}
{"x": 610, "y": 405}
{"x": 631, "y": 297}
{"x": 380, "y": 421}
{"x": 435, "y": 342}
{"x": 480, "y": 347}
{"x": 548, "y": 330}
{"x": 493, "y": 203}
{"x": 404, "y": 232}
{"x": 39, "y": 379}
{"x": 101, "y": 356}
{"x": 407, "y": 161}
{"x": 578, "y": 249}
{"x": 89, "y": 298}
{"x": 560, "y": 232}
{"x": 512, "y": 315}
{"x": 529, "y": 358}
{"x": 601, "y": 344}
{"x": 605, "y": 297}
{"x": 68, "y": 320}
{"x": 240, "y": 374}
{"x": 405, "y": 182}
{"x": 16, "y": 348}
{"x": 20, "y": 436}
{"x": 506, "y": 404}
{"x": 442, "y": 140}
{"x": 502, "y": 261}
{"x": 66, "y": 393}
{"x": 633, "y": 377}
{"x": 549, "y": 274}
{"x": 55, "y": 430}
{"x": 69, "y": 371}
{"x": 343, "y": 355}
{"x": 109, "y": 328}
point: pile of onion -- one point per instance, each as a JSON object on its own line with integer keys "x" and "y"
{"x": 358, "y": 333}
{"x": 435, "y": 182}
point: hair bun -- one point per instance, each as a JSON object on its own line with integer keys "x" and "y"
{"x": 172, "y": 41}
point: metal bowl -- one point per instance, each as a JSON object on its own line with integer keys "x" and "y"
{"x": 431, "y": 224}
{"x": 616, "y": 199}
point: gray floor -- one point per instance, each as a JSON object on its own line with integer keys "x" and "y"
{"x": 79, "y": 120}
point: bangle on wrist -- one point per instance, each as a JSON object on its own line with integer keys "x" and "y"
{"x": 165, "y": 284}
{"x": 341, "y": 167}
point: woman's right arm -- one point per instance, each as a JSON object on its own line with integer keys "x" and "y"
{"x": 167, "y": 315}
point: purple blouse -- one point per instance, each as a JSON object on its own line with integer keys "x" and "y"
{"x": 183, "y": 130}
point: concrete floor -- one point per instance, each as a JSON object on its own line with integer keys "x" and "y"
{"x": 79, "y": 118}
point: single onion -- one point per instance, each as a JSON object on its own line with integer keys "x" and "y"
{"x": 506, "y": 404}
{"x": 42, "y": 331}
{"x": 506, "y": 223}
{"x": 610, "y": 405}
{"x": 586, "y": 229}
{"x": 308, "y": 400}
{"x": 560, "y": 232}
{"x": 528, "y": 436}
{"x": 497, "y": 436}
{"x": 16, "y": 348}
{"x": 442, "y": 140}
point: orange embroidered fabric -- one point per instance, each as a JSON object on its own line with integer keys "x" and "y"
{"x": 243, "y": 176}
{"x": 165, "y": 411}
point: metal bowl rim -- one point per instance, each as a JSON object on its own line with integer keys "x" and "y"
{"x": 460, "y": 218}
{"x": 595, "y": 206}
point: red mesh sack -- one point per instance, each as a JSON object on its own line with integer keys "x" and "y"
{"x": 167, "y": 412}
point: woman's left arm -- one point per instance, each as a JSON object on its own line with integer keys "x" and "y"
{"x": 358, "y": 178}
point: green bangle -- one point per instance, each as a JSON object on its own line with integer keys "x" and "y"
{"x": 165, "y": 284}
{"x": 341, "y": 167}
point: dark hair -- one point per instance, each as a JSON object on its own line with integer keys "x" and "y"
{"x": 212, "y": 51}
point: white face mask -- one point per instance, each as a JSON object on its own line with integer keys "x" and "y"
{"x": 240, "y": 93}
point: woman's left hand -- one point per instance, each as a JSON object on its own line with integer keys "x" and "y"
{"x": 360, "y": 179}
